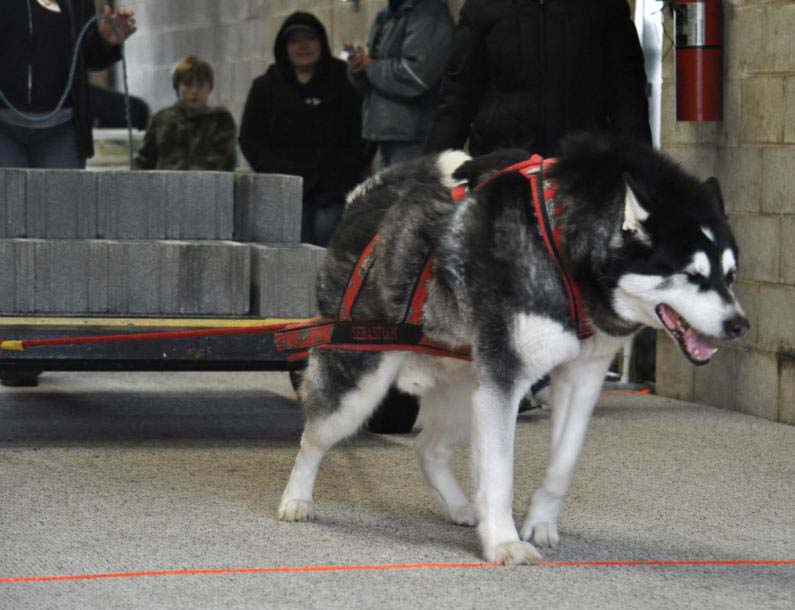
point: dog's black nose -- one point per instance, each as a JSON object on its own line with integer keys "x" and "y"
{"x": 735, "y": 327}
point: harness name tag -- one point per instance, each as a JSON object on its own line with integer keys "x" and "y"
{"x": 373, "y": 332}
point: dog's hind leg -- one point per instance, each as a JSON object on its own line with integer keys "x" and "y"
{"x": 339, "y": 392}
{"x": 575, "y": 390}
{"x": 445, "y": 416}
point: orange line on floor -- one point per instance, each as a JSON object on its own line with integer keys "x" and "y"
{"x": 387, "y": 567}
{"x": 641, "y": 392}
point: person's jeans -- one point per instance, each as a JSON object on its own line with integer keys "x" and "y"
{"x": 319, "y": 221}
{"x": 395, "y": 152}
{"x": 53, "y": 147}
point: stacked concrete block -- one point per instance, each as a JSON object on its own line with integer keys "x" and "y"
{"x": 268, "y": 208}
{"x": 120, "y": 243}
{"x": 165, "y": 205}
{"x": 179, "y": 277}
{"x": 12, "y": 203}
{"x": 63, "y": 204}
{"x": 283, "y": 279}
{"x": 56, "y": 204}
{"x": 124, "y": 277}
{"x": 60, "y": 204}
{"x": 752, "y": 151}
{"x": 17, "y": 275}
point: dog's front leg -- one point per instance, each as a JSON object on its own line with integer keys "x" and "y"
{"x": 575, "y": 389}
{"x": 493, "y": 427}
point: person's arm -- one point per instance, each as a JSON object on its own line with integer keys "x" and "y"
{"x": 221, "y": 153}
{"x": 101, "y": 43}
{"x": 147, "y": 155}
{"x": 625, "y": 105}
{"x": 462, "y": 87}
{"x": 358, "y": 81}
{"x": 355, "y": 70}
{"x": 423, "y": 55}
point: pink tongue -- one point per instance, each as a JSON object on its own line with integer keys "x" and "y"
{"x": 669, "y": 316}
{"x": 699, "y": 346}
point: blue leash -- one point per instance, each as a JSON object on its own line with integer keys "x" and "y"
{"x": 70, "y": 82}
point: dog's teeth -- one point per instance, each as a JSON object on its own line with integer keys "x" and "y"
{"x": 698, "y": 346}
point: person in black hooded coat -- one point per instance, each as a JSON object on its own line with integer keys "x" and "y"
{"x": 526, "y": 73}
{"x": 303, "y": 117}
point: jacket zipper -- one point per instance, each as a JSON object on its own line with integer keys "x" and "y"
{"x": 542, "y": 56}
{"x": 30, "y": 65}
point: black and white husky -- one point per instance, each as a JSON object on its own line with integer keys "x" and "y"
{"x": 647, "y": 244}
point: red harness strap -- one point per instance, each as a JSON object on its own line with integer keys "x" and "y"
{"x": 345, "y": 333}
{"x": 548, "y": 212}
{"x": 356, "y": 280}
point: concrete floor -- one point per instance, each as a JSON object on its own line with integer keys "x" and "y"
{"x": 129, "y": 473}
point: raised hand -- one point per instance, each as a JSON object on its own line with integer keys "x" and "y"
{"x": 124, "y": 20}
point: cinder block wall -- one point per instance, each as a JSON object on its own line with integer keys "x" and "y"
{"x": 752, "y": 152}
{"x": 235, "y": 36}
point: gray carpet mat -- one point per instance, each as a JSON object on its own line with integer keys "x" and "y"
{"x": 129, "y": 473}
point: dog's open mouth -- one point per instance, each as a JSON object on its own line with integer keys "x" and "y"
{"x": 697, "y": 347}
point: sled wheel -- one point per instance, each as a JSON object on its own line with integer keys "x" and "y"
{"x": 396, "y": 414}
{"x": 20, "y": 378}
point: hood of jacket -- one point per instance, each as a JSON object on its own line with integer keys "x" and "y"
{"x": 280, "y": 46}
{"x": 398, "y": 7}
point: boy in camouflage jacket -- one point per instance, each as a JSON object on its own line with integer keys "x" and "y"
{"x": 190, "y": 135}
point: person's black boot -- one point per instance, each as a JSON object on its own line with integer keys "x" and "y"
{"x": 538, "y": 396}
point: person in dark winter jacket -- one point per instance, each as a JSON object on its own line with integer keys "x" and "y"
{"x": 191, "y": 134}
{"x": 302, "y": 117}
{"x": 525, "y": 74}
{"x": 398, "y": 76}
{"x": 37, "y": 40}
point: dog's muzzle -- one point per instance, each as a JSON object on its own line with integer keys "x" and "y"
{"x": 698, "y": 348}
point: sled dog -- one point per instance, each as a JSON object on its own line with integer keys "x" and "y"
{"x": 642, "y": 242}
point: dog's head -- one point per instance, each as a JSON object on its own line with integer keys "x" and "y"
{"x": 658, "y": 241}
{"x": 684, "y": 283}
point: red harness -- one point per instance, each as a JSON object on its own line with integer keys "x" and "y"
{"x": 376, "y": 335}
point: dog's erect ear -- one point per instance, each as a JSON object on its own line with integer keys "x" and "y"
{"x": 713, "y": 188}
{"x": 634, "y": 212}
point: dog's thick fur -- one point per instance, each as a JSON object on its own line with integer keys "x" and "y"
{"x": 647, "y": 244}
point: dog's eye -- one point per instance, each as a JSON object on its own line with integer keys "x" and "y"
{"x": 696, "y": 278}
{"x": 730, "y": 277}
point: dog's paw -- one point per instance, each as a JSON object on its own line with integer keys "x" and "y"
{"x": 297, "y": 510}
{"x": 542, "y": 533}
{"x": 514, "y": 553}
{"x": 463, "y": 515}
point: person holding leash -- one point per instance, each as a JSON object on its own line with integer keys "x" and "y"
{"x": 37, "y": 43}
{"x": 525, "y": 74}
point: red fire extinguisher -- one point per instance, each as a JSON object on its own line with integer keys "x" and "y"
{"x": 698, "y": 60}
